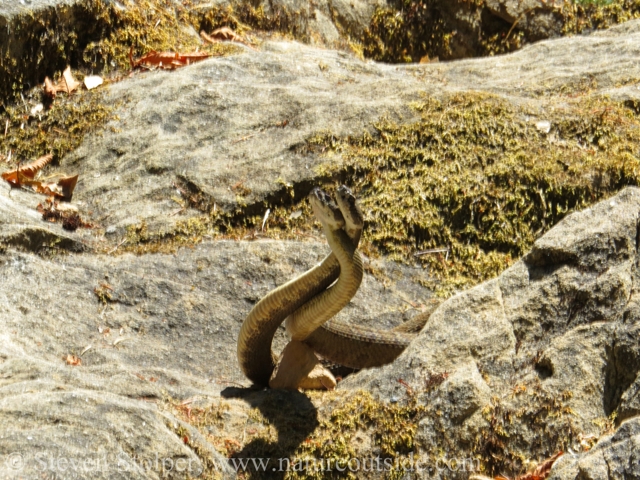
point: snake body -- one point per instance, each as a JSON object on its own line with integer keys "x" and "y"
{"x": 256, "y": 359}
{"x": 343, "y": 239}
{"x": 308, "y": 303}
{"x": 360, "y": 347}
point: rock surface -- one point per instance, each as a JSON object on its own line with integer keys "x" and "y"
{"x": 212, "y": 125}
{"x": 168, "y": 327}
{"x": 558, "y": 330}
{"x": 562, "y": 322}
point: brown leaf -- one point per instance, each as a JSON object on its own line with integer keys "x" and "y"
{"x": 224, "y": 34}
{"x": 49, "y": 88}
{"x": 168, "y": 60}
{"x": 23, "y": 173}
{"x": 542, "y": 471}
{"x": 73, "y": 360}
{"x": 68, "y": 82}
{"x": 63, "y": 188}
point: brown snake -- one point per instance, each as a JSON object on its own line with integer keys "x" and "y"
{"x": 309, "y": 303}
{"x": 256, "y": 334}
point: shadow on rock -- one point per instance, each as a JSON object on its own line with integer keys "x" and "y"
{"x": 294, "y": 418}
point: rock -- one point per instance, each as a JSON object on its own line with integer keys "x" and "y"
{"x": 460, "y": 401}
{"x": 157, "y": 326}
{"x": 615, "y": 456}
{"x": 22, "y": 226}
{"x": 206, "y": 128}
{"x": 91, "y": 434}
{"x": 537, "y": 359}
{"x": 560, "y": 325}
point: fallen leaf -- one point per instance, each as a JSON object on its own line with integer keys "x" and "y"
{"x": 70, "y": 83}
{"x": 49, "y": 88}
{"x": 224, "y": 34}
{"x": 92, "y": 81}
{"x": 167, "y": 60}
{"x": 66, "y": 84}
{"x": 53, "y": 212}
{"x": 544, "y": 468}
{"x": 73, "y": 360}
{"x": 62, "y": 188}
{"x": 542, "y": 471}
{"x": 27, "y": 171}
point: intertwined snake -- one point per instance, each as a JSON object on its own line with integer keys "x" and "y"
{"x": 308, "y": 302}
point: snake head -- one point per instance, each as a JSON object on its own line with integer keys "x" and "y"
{"x": 325, "y": 210}
{"x": 350, "y": 211}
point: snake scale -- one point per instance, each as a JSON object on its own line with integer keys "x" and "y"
{"x": 310, "y": 300}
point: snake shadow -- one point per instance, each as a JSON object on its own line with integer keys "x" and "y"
{"x": 294, "y": 418}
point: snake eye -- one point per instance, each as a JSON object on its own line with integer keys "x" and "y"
{"x": 344, "y": 191}
{"x": 318, "y": 193}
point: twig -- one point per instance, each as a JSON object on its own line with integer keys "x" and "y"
{"x": 117, "y": 246}
{"x": 180, "y": 210}
{"x": 6, "y": 128}
{"x": 242, "y": 139}
{"x": 266, "y": 217}
{"x": 522, "y": 15}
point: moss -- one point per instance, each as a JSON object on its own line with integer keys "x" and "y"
{"x": 57, "y": 130}
{"x": 474, "y": 176}
{"x": 412, "y": 30}
{"x": 511, "y": 433}
{"x": 100, "y": 35}
{"x": 531, "y": 423}
{"x": 158, "y": 25}
{"x": 38, "y": 43}
{"x": 105, "y": 293}
{"x": 464, "y": 191}
{"x": 330, "y": 444}
{"x": 391, "y": 428}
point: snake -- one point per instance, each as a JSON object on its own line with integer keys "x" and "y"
{"x": 254, "y": 352}
{"x": 308, "y": 304}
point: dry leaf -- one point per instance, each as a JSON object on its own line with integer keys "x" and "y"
{"x": 26, "y": 172}
{"x": 62, "y": 188}
{"x": 53, "y": 212}
{"x": 542, "y": 471}
{"x": 73, "y": 360}
{"x": 70, "y": 83}
{"x": 92, "y": 81}
{"x": 544, "y": 468}
{"x": 167, "y": 60}
{"x": 24, "y": 176}
{"x": 224, "y": 34}
{"x": 66, "y": 84}
{"x": 49, "y": 88}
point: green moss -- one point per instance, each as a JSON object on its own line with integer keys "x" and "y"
{"x": 57, "y": 130}
{"x": 473, "y": 177}
{"x": 159, "y": 25}
{"x": 100, "y": 35}
{"x": 506, "y": 437}
{"x": 476, "y": 177}
{"x": 391, "y": 428}
{"x": 417, "y": 29}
